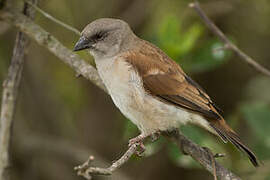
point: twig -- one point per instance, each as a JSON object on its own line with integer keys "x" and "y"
{"x": 9, "y": 96}
{"x": 202, "y": 155}
{"x": 213, "y": 162}
{"x": 227, "y": 42}
{"x": 53, "y": 45}
{"x": 214, "y": 167}
{"x": 48, "y": 41}
{"x": 45, "y": 14}
{"x": 58, "y": 147}
{"x": 86, "y": 170}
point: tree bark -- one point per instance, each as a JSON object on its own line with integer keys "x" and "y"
{"x": 9, "y": 96}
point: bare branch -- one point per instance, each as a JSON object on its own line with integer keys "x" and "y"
{"x": 202, "y": 155}
{"x": 9, "y": 97}
{"x": 227, "y": 42}
{"x": 60, "y": 148}
{"x": 43, "y": 38}
{"x": 86, "y": 170}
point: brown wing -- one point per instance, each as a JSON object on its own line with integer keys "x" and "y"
{"x": 164, "y": 79}
{"x": 180, "y": 93}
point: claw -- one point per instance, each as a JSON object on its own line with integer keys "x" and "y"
{"x": 138, "y": 141}
{"x": 140, "y": 150}
{"x": 155, "y": 136}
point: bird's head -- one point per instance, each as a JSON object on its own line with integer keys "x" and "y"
{"x": 104, "y": 37}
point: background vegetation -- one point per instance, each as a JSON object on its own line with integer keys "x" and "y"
{"x": 61, "y": 119}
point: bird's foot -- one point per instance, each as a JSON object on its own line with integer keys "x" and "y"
{"x": 138, "y": 141}
{"x": 155, "y": 136}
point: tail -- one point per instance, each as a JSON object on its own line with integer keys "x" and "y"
{"x": 227, "y": 134}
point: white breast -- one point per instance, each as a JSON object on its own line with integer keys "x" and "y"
{"x": 126, "y": 89}
{"x": 122, "y": 83}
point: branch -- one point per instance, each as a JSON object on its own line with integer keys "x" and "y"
{"x": 227, "y": 42}
{"x": 9, "y": 96}
{"x": 202, "y": 155}
{"x": 60, "y": 148}
{"x": 43, "y": 38}
{"x": 48, "y": 41}
{"x": 86, "y": 170}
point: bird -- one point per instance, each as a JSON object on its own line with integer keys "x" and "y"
{"x": 150, "y": 88}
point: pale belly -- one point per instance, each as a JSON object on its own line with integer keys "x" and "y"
{"x": 148, "y": 113}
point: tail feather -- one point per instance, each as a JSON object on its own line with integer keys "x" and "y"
{"x": 227, "y": 134}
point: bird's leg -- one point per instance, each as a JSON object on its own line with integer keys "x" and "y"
{"x": 139, "y": 142}
{"x": 140, "y": 139}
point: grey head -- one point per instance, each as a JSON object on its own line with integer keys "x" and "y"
{"x": 105, "y": 37}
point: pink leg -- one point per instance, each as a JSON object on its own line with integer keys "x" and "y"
{"x": 140, "y": 139}
{"x": 139, "y": 142}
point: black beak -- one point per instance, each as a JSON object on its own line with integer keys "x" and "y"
{"x": 82, "y": 43}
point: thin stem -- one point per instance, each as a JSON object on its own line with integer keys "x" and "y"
{"x": 86, "y": 170}
{"x": 228, "y": 43}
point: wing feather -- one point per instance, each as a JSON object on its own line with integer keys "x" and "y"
{"x": 164, "y": 79}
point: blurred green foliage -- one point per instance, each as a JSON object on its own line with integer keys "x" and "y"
{"x": 181, "y": 45}
{"x": 173, "y": 39}
{"x": 257, "y": 116}
{"x": 256, "y": 111}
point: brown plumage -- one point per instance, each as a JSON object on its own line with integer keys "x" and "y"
{"x": 165, "y": 80}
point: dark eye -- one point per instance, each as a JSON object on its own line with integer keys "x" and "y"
{"x": 99, "y": 36}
